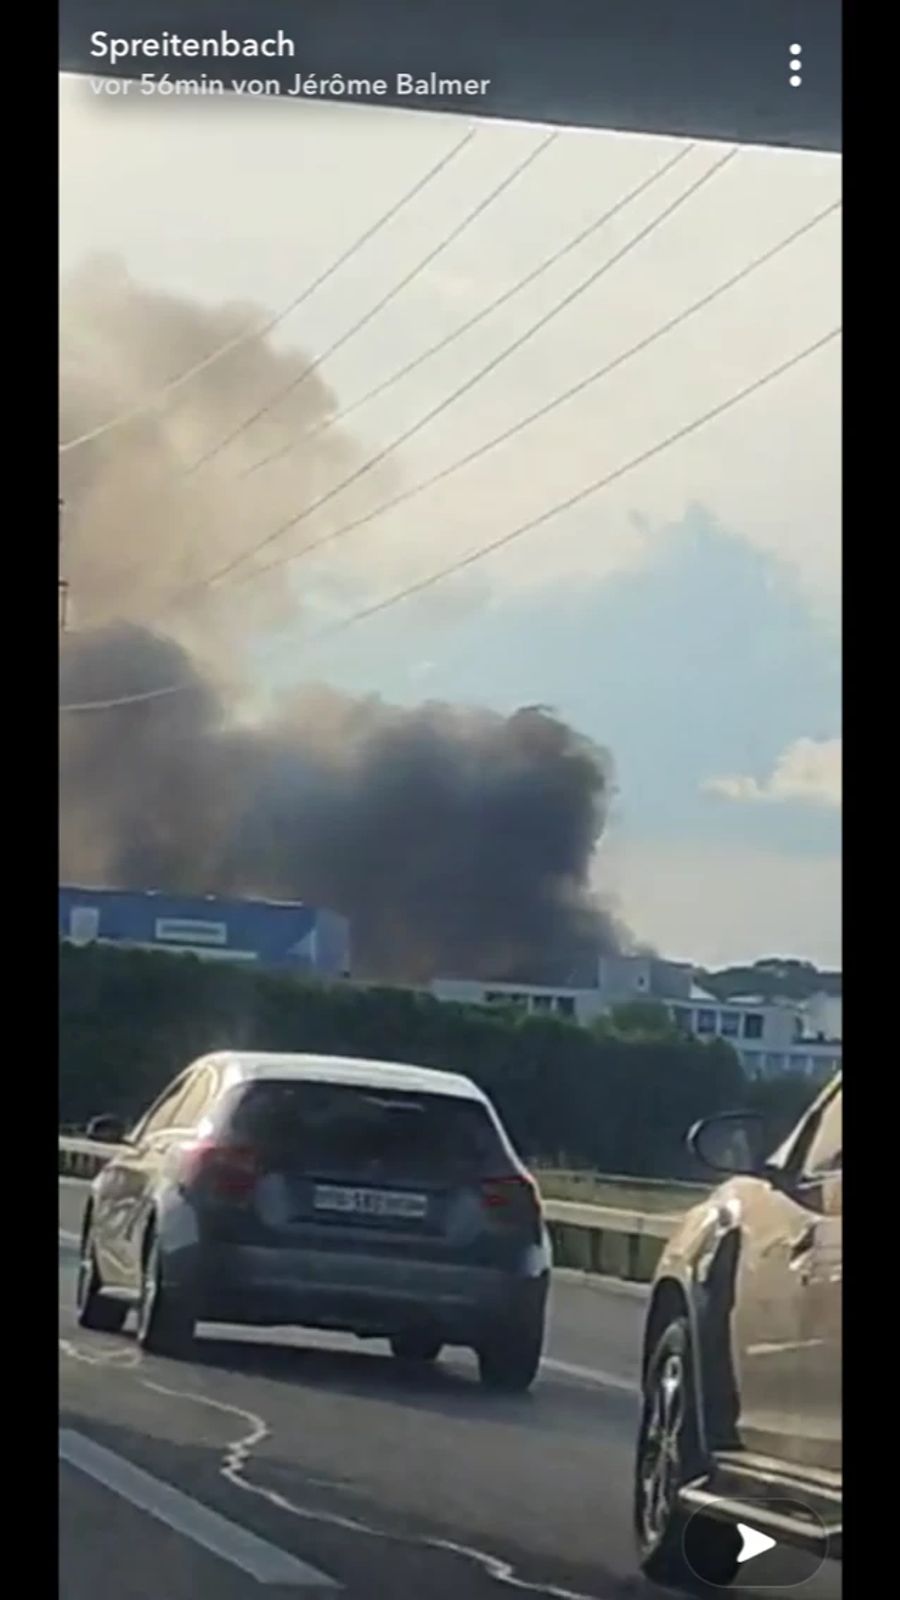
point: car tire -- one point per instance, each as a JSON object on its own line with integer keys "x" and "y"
{"x": 166, "y": 1324}
{"x": 675, "y": 1548}
{"x": 93, "y": 1309}
{"x": 509, "y": 1359}
{"x": 416, "y": 1348}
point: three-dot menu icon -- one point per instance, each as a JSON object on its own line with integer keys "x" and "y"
{"x": 796, "y": 65}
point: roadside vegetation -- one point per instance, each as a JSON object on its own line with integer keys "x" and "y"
{"x": 615, "y": 1098}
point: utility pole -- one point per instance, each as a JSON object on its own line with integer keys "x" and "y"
{"x": 62, "y": 585}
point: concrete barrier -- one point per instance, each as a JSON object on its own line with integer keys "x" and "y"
{"x": 596, "y": 1239}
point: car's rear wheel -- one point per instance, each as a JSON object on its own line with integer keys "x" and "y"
{"x": 415, "y": 1347}
{"x": 675, "y": 1548}
{"x": 166, "y": 1324}
{"x": 93, "y": 1309}
{"x": 509, "y": 1358}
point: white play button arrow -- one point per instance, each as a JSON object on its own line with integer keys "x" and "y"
{"x": 753, "y": 1543}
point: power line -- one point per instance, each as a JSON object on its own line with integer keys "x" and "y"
{"x": 508, "y": 538}
{"x": 380, "y": 305}
{"x": 551, "y": 405}
{"x": 466, "y": 327}
{"x": 582, "y": 494}
{"x": 263, "y": 328}
{"x": 235, "y": 561}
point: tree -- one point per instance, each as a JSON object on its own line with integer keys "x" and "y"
{"x": 639, "y": 1019}
{"x": 608, "y": 1098}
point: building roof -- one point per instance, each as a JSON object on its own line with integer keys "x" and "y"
{"x": 353, "y": 1071}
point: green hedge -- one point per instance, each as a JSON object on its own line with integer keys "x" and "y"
{"x": 130, "y": 1020}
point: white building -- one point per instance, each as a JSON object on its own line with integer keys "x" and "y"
{"x": 824, "y": 1014}
{"x": 579, "y": 1005}
{"x": 768, "y": 1036}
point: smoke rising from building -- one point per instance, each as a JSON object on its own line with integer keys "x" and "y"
{"x": 457, "y": 841}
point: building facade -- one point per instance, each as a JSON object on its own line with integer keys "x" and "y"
{"x": 274, "y": 934}
{"x": 768, "y": 1037}
{"x": 539, "y": 1000}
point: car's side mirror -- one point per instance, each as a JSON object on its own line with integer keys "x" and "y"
{"x": 731, "y": 1143}
{"x": 107, "y": 1130}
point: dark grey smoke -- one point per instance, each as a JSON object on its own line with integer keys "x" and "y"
{"x": 457, "y": 841}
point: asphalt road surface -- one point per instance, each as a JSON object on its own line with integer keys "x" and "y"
{"x": 310, "y": 1464}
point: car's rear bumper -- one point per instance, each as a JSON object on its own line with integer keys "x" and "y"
{"x": 374, "y": 1296}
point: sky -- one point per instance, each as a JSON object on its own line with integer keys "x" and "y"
{"x": 686, "y": 616}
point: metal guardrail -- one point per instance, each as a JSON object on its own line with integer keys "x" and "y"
{"x": 83, "y": 1158}
{"x": 549, "y": 1176}
{"x": 593, "y": 1239}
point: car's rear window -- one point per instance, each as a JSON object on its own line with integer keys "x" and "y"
{"x": 335, "y": 1128}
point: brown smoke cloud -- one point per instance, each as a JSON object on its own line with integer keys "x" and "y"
{"x": 457, "y": 841}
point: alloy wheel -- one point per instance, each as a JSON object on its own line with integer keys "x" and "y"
{"x": 659, "y": 1473}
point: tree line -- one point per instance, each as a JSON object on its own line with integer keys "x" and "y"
{"x": 616, "y": 1098}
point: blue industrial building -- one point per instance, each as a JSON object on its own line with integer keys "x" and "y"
{"x": 277, "y": 934}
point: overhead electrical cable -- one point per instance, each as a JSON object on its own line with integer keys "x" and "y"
{"x": 373, "y": 311}
{"x": 259, "y": 331}
{"x": 464, "y": 562}
{"x": 229, "y": 566}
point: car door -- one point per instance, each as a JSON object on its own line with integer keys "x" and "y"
{"x": 120, "y": 1191}
{"x": 817, "y": 1368}
{"x": 780, "y": 1220}
{"x": 157, "y": 1166}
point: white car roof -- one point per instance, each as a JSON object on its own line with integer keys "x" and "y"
{"x": 354, "y": 1071}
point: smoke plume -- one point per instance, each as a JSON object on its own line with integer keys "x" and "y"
{"x": 457, "y": 841}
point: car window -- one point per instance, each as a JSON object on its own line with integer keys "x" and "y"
{"x": 161, "y": 1112}
{"x": 825, "y": 1148}
{"x": 791, "y": 1153}
{"x": 194, "y": 1099}
{"x": 330, "y": 1128}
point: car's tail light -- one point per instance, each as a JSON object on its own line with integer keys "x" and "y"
{"x": 514, "y": 1198}
{"x": 226, "y": 1171}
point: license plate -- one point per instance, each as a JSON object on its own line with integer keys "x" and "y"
{"x": 369, "y": 1202}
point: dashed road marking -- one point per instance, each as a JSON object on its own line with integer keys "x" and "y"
{"x": 592, "y": 1375}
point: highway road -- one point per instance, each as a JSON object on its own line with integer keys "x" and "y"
{"x": 311, "y": 1464}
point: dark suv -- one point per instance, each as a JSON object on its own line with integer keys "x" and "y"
{"x": 275, "y": 1190}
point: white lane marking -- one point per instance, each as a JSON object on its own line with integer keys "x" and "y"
{"x": 237, "y": 1459}
{"x": 231, "y": 1543}
{"x": 784, "y": 1348}
{"x": 599, "y": 1283}
{"x": 593, "y": 1375}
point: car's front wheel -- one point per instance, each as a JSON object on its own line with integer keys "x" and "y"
{"x": 93, "y": 1309}
{"x": 675, "y": 1548}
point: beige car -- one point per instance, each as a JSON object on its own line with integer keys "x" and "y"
{"x": 741, "y": 1413}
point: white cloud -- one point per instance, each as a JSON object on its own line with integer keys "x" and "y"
{"x": 808, "y": 771}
